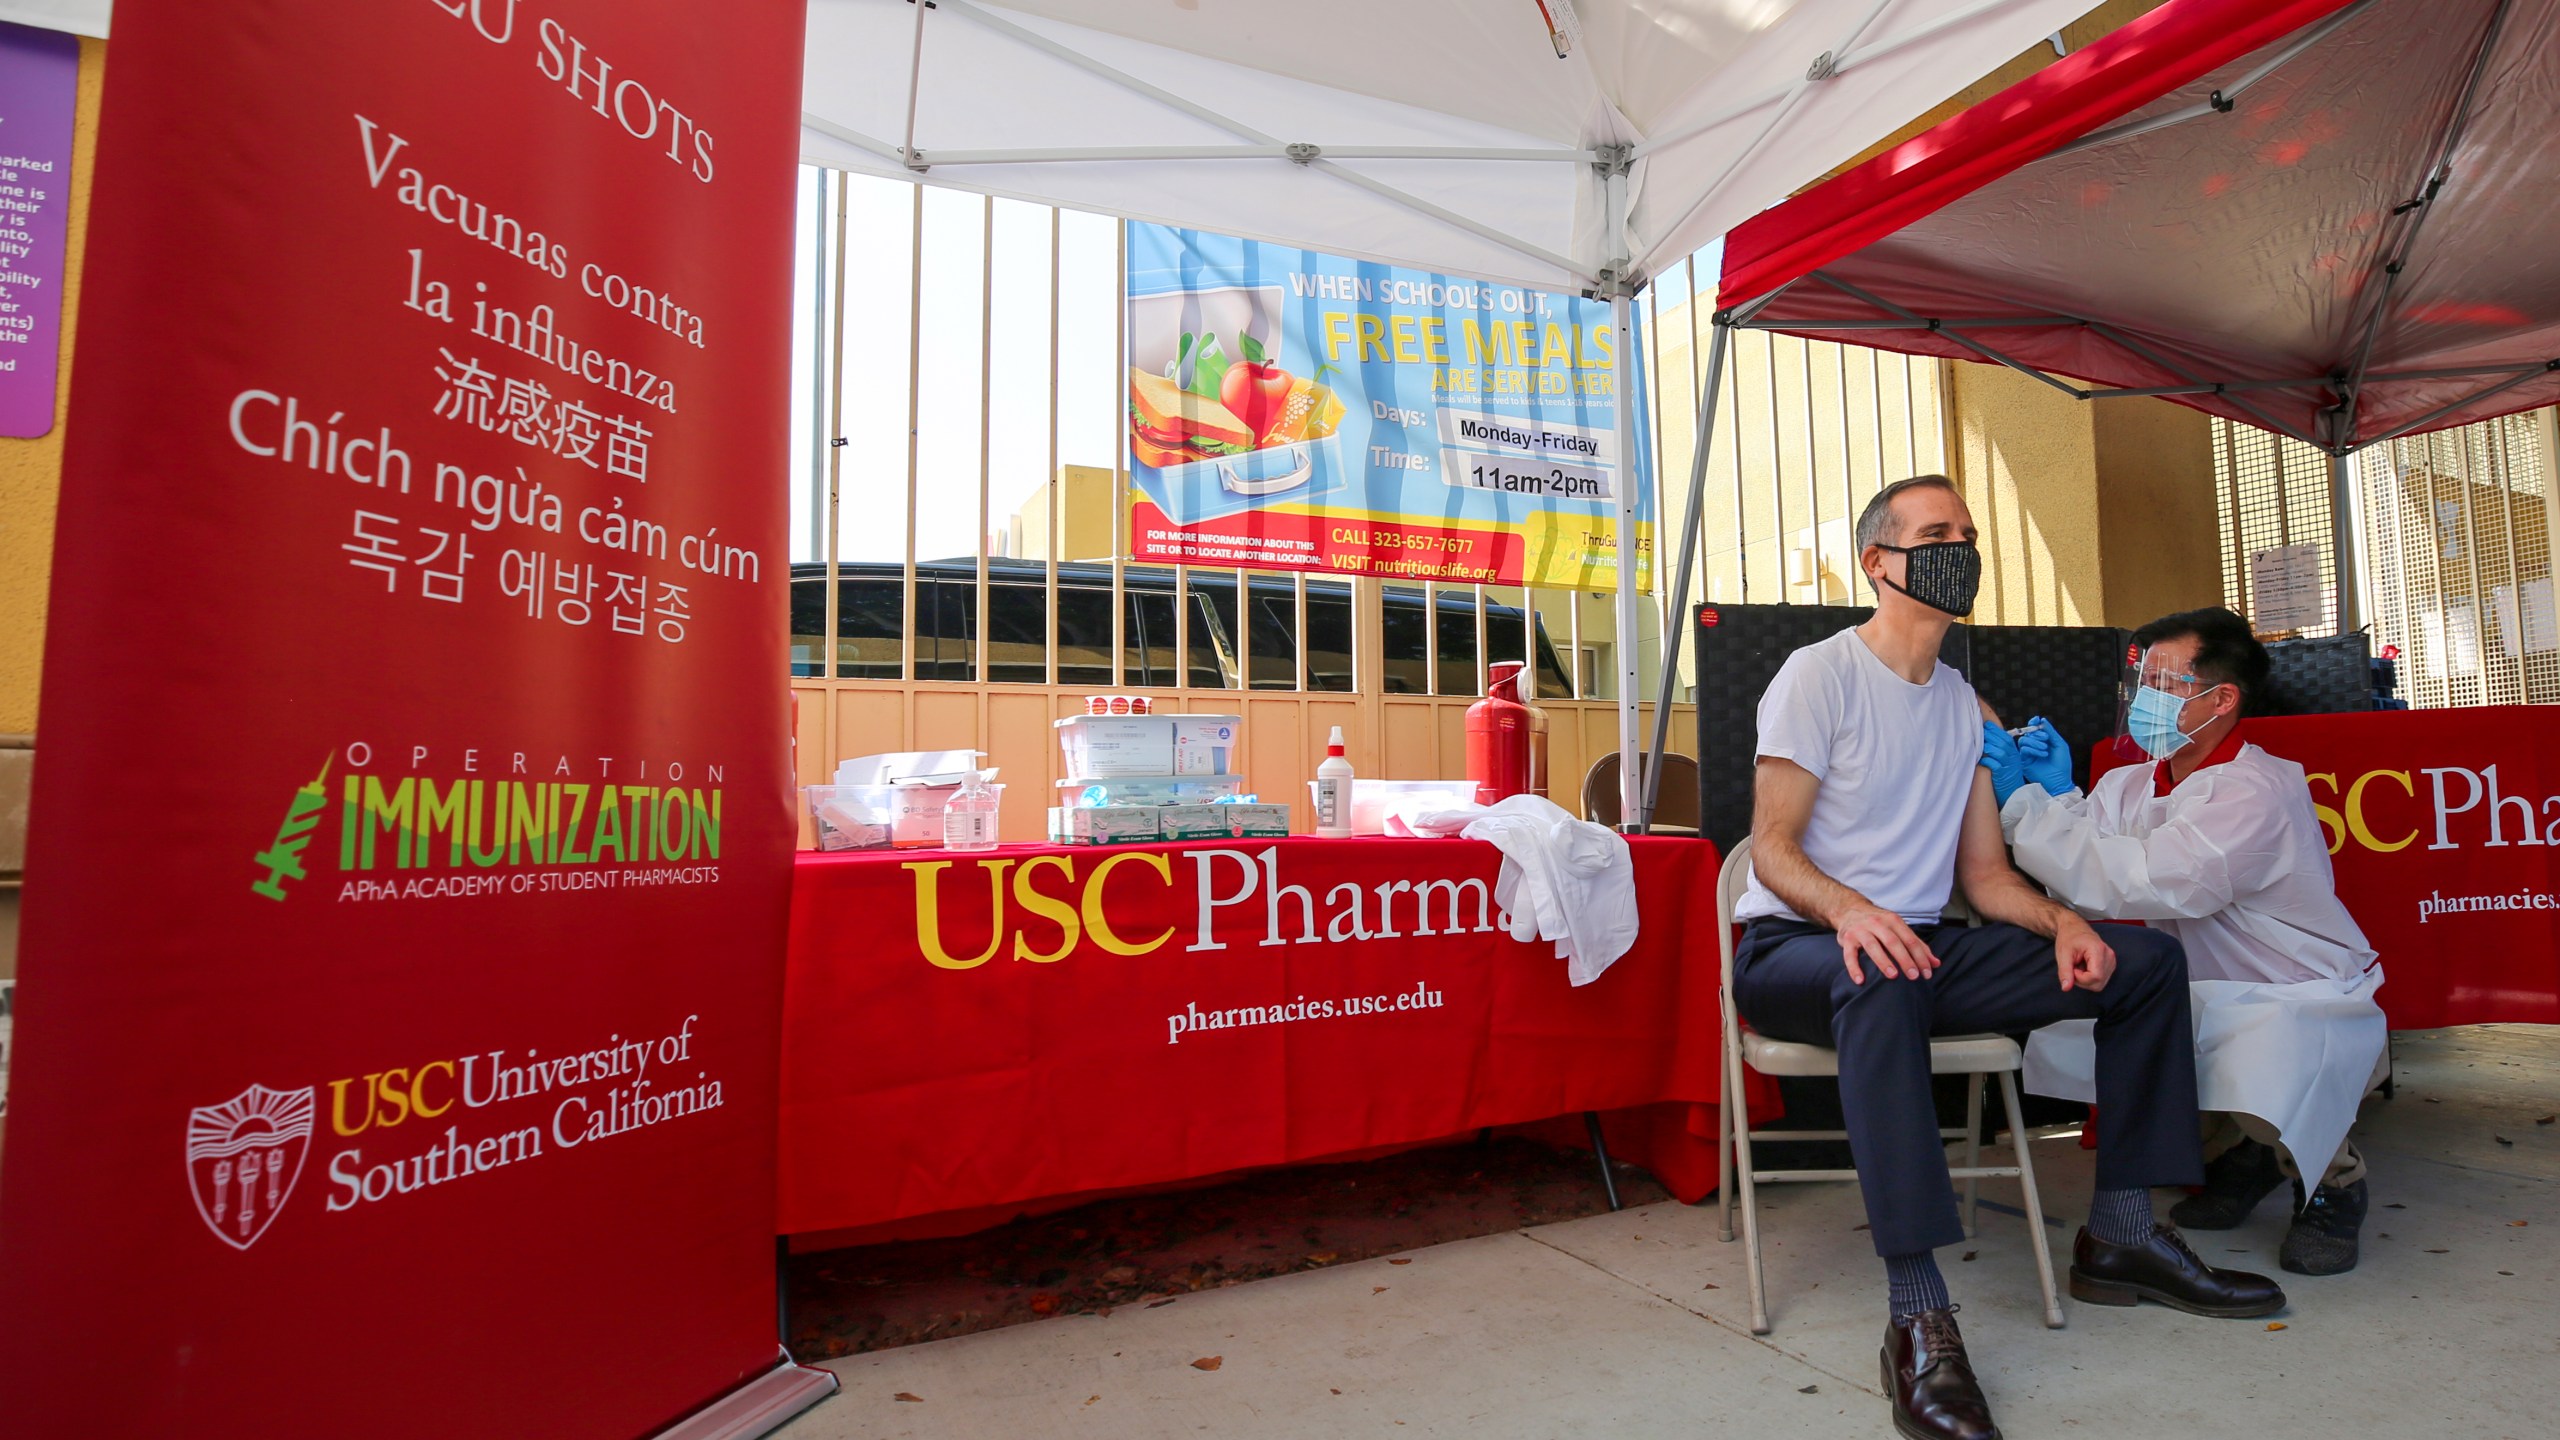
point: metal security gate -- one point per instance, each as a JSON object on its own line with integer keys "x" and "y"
{"x": 2457, "y": 532}
{"x": 2460, "y": 531}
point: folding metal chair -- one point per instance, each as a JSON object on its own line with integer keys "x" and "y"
{"x": 1977, "y": 1056}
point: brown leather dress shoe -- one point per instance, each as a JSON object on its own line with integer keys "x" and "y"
{"x": 2164, "y": 1270}
{"x": 1935, "y": 1396}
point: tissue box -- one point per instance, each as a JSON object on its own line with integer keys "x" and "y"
{"x": 1105, "y": 824}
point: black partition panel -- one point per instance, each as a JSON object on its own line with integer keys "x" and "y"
{"x": 2068, "y": 675}
{"x": 2332, "y": 675}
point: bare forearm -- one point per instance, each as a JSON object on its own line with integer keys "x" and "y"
{"x": 1792, "y": 876}
{"x": 2004, "y": 897}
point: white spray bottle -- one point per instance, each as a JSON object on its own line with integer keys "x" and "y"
{"x": 1333, "y": 791}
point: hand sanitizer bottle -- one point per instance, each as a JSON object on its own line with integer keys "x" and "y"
{"x": 969, "y": 821}
{"x": 1333, "y": 791}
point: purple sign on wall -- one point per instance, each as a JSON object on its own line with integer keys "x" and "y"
{"x": 39, "y": 80}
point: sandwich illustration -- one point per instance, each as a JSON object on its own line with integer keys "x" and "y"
{"x": 1207, "y": 405}
{"x": 1169, "y": 425}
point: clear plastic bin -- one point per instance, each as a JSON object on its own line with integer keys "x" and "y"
{"x": 881, "y": 817}
{"x": 1149, "y": 790}
{"x": 1372, "y": 801}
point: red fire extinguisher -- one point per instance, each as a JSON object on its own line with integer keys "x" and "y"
{"x": 1506, "y": 739}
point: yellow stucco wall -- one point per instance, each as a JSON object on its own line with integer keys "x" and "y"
{"x": 2159, "y": 536}
{"x": 2026, "y": 457}
{"x": 31, "y": 470}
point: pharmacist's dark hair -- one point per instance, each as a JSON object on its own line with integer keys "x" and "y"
{"x": 1878, "y": 516}
{"x": 2227, "y": 652}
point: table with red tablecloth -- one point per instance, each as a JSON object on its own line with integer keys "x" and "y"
{"x": 972, "y": 1034}
{"x": 2444, "y": 832}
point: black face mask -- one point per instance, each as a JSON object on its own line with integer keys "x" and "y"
{"x": 1943, "y": 575}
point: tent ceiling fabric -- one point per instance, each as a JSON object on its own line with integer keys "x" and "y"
{"x": 1715, "y": 96}
{"x": 2251, "y": 245}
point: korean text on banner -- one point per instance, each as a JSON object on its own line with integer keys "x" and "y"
{"x": 1291, "y": 410}
{"x": 401, "y": 964}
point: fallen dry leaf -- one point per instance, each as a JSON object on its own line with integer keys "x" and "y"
{"x": 1969, "y": 1254}
{"x": 1160, "y": 1304}
{"x": 2501, "y": 1139}
{"x": 2506, "y": 1272}
{"x": 2439, "y": 1252}
{"x": 1337, "y": 1392}
{"x": 910, "y": 1399}
{"x": 2275, "y": 1324}
{"x": 1044, "y": 1304}
{"x": 1711, "y": 1285}
{"x": 1208, "y": 1362}
{"x": 2547, "y": 1119}
{"x": 1119, "y": 1274}
{"x": 2518, "y": 1224}
{"x": 1377, "y": 1289}
{"x": 1808, "y": 1389}
{"x": 1321, "y": 1257}
{"x": 2430, "y": 1099}
{"x": 2395, "y": 1205}
{"x": 1406, "y": 1261}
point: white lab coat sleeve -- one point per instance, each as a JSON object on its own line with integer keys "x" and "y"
{"x": 2029, "y": 799}
{"x": 2228, "y": 842}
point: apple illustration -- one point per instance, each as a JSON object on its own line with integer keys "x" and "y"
{"x": 1255, "y": 389}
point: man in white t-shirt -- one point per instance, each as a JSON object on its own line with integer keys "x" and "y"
{"x": 1868, "y": 807}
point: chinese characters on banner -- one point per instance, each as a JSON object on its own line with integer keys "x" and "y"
{"x": 1291, "y": 410}
{"x": 410, "y": 855}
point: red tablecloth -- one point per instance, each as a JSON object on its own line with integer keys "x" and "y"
{"x": 2444, "y": 830}
{"x": 968, "y": 1031}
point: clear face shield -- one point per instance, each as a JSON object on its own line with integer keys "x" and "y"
{"x": 2153, "y": 699}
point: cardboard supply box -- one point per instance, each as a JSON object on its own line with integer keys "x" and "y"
{"x": 1225, "y": 822}
{"x": 1106, "y": 747}
{"x": 1105, "y": 824}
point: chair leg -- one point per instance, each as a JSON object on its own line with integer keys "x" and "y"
{"x": 1973, "y": 1089}
{"x": 2035, "y": 1202}
{"x": 1750, "y": 1200}
{"x": 1724, "y": 1164}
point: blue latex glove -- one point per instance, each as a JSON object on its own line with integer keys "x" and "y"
{"x": 2002, "y": 757}
{"x": 2046, "y": 757}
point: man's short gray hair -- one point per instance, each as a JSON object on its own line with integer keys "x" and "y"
{"x": 1876, "y": 519}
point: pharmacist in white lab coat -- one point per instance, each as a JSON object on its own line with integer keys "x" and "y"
{"x": 2217, "y": 843}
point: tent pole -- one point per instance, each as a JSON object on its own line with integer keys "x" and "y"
{"x": 1615, "y": 191}
{"x": 2342, "y": 540}
{"x": 1693, "y": 520}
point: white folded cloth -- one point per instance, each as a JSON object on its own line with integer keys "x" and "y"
{"x": 1563, "y": 880}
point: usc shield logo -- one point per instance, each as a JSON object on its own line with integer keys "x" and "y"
{"x": 243, "y": 1156}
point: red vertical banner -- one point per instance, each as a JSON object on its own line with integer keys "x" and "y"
{"x": 403, "y": 928}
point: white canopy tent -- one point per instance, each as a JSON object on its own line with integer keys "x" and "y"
{"x": 1572, "y": 145}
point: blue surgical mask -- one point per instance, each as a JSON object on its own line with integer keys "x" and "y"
{"x": 2152, "y": 720}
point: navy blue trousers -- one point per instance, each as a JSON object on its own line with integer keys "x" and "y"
{"x": 1790, "y": 984}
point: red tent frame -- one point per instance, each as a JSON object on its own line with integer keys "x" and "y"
{"x": 1775, "y": 277}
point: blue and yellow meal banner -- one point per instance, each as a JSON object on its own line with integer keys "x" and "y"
{"x": 1292, "y": 410}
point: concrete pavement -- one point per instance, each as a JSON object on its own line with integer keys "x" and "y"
{"x": 1636, "y": 1323}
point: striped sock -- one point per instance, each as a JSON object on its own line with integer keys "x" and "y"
{"x": 1915, "y": 1284}
{"x": 2121, "y": 1217}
